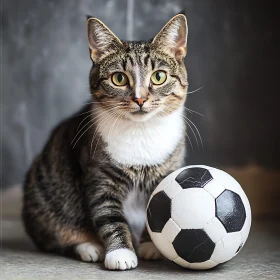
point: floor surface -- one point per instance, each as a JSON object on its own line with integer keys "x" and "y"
{"x": 259, "y": 259}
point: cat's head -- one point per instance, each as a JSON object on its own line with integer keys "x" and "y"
{"x": 139, "y": 80}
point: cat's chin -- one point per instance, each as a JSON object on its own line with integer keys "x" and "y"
{"x": 141, "y": 117}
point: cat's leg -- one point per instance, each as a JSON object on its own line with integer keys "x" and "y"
{"x": 146, "y": 249}
{"x": 79, "y": 243}
{"x": 106, "y": 211}
{"x": 113, "y": 230}
{"x": 60, "y": 233}
{"x": 91, "y": 251}
{"x": 69, "y": 240}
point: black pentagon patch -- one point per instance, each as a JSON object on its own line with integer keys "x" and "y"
{"x": 195, "y": 177}
{"x": 159, "y": 211}
{"x": 193, "y": 245}
{"x": 230, "y": 211}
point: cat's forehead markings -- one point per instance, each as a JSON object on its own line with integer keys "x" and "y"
{"x": 137, "y": 80}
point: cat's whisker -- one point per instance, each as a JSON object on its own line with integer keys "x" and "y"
{"x": 108, "y": 136}
{"x": 82, "y": 135}
{"x": 191, "y": 130}
{"x": 161, "y": 116}
{"x": 197, "y": 131}
{"x": 186, "y": 120}
{"x": 116, "y": 122}
{"x": 124, "y": 115}
{"x": 186, "y": 133}
{"x": 105, "y": 102}
{"x": 82, "y": 122}
{"x": 169, "y": 109}
{"x": 91, "y": 120}
{"x": 106, "y": 121}
{"x": 192, "y": 111}
{"x": 195, "y": 90}
{"x": 88, "y": 117}
{"x": 102, "y": 122}
{"x": 185, "y": 130}
{"x": 91, "y": 111}
{"x": 94, "y": 111}
{"x": 87, "y": 130}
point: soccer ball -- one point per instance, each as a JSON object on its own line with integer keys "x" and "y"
{"x": 199, "y": 217}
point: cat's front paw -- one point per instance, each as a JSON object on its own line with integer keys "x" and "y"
{"x": 121, "y": 259}
{"x": 148, "y": 251}
{"x": 90, "y": 252}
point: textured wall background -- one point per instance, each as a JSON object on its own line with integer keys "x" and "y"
{"x": 232, "y": 53}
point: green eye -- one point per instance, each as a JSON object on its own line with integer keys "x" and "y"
{"x": 119, "y": 79}
{"x": 159, "y": 77}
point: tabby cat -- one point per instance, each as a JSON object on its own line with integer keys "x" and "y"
{"x": 86, "y": 193}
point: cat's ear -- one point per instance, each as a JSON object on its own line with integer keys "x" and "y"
{"x": 102, "y": 41}
{"x": 173, "y": 37}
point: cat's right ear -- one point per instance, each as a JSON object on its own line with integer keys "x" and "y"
{"x": 102, "y": 41}
{"x": 173, "y": 37}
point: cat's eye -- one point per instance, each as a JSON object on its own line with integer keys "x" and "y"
{"x": 158, "y": 77}
{"x": 119, "y": 79}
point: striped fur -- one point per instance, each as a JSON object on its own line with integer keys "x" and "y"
{"x": 86, "y": 192}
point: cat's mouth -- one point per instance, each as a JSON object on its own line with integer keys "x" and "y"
{"x": 141, "y": 115}
{"x": 139, "y": 112}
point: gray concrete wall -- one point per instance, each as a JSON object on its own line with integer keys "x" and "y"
{"x": 232, "y": 53}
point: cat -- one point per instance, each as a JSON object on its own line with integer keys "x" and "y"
{"x": 85, "y": 194}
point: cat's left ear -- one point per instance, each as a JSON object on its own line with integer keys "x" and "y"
{"x": 173, "y": 37}
{"x": 102, "y": 41}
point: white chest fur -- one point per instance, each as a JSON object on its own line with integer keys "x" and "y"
{"x": 134, "y": 208}
{"x": 142, "y": 143}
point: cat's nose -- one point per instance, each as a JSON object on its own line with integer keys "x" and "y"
{"x": 139, "y": 101}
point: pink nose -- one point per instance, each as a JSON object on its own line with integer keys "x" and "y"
{"x": 140, "y": 101}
